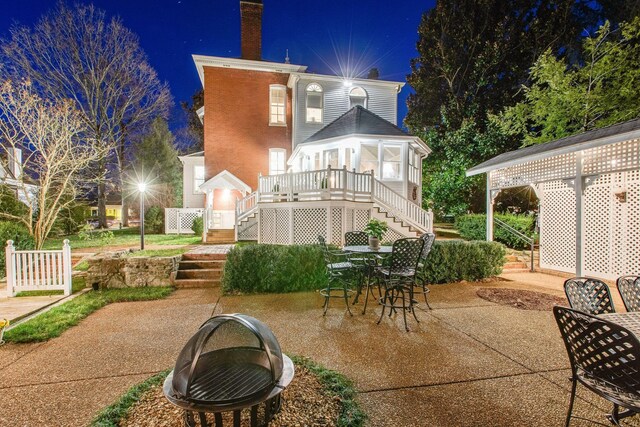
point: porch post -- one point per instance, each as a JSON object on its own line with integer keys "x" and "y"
{"x": 489, "y": 209}
{"x": 579, "y": 189}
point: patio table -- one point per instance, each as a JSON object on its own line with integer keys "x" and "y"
{"x": 630, "y": 320}
{"x": 366, "y": 250}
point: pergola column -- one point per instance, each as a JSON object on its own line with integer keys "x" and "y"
{"x": 491, "y": 197}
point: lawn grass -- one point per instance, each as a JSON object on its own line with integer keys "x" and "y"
{"x": 124, "y": 237}
{"x": 335, "y": 384}
{"x": 57, "y": 320}
{"x": 113, "y": 414}
{"x": 158, "y": 252}
{"x": 82, "y": 266}
{"x": 77, "y": 284}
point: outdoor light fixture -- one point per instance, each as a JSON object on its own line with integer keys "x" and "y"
{"x": 226, "y": 193}
{"x": 142, "y": 187}
{"x": 621, "y": 194}
{"x": 347, "y": 83}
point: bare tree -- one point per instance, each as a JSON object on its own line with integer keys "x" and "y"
{"x": 78, "y": 54}
{"x": 51, "y": 136}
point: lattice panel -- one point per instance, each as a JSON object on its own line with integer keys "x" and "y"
{"x": 308, "y": 223}
{"x": 336, "y": 226}
{"x": 558, "y": 227}
{"x": 597, "y": 214}
{"x": 361, "y": 218}
{"x": 391, "y": 236}
{"x": 626, "y": 227}
{"x": 186, "y": 221}
{"x": 557, "y": 167}
{"x": 248, "y": 230}
{"x": 612, "y": 157}
{"x": 349, "y": 226}
{"x": 267, "y": 225}
{"x": 282, "y": 227}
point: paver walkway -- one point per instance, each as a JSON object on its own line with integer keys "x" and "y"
{"x": 468, "y": 363}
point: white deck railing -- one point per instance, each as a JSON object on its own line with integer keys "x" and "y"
{"x": 38, "y": 270}
{"x": 334, "y": 184}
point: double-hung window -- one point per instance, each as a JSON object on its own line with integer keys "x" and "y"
{"x": 277, "y": 164}
{"x": 198, "y": 178}
{"x": 277, "y": 105}
{"x": 391, "y": 161}
{"x": 315, "y": 102}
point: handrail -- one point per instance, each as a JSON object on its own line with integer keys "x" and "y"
{"x": 402, "y": 207}
{"x": 528, "y": 240}
{"x": 246, "y": 205}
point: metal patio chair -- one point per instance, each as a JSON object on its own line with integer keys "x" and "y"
{"x": 362, "y": 263}
{"x": 338, "y": 274}
{"x": 589, "y": 295}
{"x": 629, "y": 289}
{"x": 398, "y": 278}
{"x": 605, "y": 358}
{"x": 421, "y": 278}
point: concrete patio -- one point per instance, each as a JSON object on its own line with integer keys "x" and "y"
{"x": 468, "y": 363}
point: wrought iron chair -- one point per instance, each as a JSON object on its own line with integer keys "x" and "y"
{"x": 338, "y": 274}
{"x": 362, "y": 263}
{"x": 589, "y": 295}
{"x": 421, "y": 278}
{"x": 356, "y": 238}
{"x": 629, "y": 289}
{"x": 604, "y": 357}
{"x": 398, "y": 278}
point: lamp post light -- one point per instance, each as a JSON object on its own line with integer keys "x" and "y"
{"x": 141, "y": 188}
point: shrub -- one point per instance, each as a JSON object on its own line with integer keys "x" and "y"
{"x": 474, "y": 227}
{"x": 9, "y": 203}
{"x": 198, "y": 226}
{"x": 20, "y": 236}
{"x": 455, "y": 260}
{"x": 71, "y": 219}
{"x": 153, "y": 220}
{"x": 274, "y": 269}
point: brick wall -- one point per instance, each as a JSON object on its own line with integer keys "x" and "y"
{"x": 251, "y": 29}
{"x": 237, "y": 135}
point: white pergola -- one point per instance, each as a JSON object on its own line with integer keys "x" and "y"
{"x": 589, "y": 191}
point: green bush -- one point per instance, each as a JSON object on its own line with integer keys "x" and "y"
{"x": 153, "y": 220}
{"x": 274, "y": 269}
{"x": 198, "y": 226}
{"x": 21, "y": 239}
{"x": 71, "y": 219}
{"x": 455, "y": 260}
{"x": 474, "y": 227}
{"x": 9, "y": 203}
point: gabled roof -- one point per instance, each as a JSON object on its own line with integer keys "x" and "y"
{"x": 357, "y": 121}
{"x": 594, "y": 138}
{"x": 225, "y": 179}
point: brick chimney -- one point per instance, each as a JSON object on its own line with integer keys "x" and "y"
{"x": 251, "y": 29}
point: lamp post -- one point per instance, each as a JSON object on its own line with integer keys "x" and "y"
{"x": 141, "y": 188}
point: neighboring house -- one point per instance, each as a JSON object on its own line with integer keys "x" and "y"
{"x": 11, "y": 175}
{"x": 113, "y": 210}
{"x": 289, "y": 155}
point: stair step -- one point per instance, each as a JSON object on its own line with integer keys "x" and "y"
{"x": 201, "y": 264}
{"x": 204, "y": 274}
{"x": 511, "y": 258}
{"x": 203, "y": 257}
{"x": 196, "y": 283}
{"x": 514, "y": 265}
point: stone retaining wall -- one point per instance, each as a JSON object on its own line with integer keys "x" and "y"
{"x": 117, "y": 270}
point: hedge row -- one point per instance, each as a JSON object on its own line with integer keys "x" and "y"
{"x": 474, "y": 227}
{"x": 17, "y": 232}
{"x": 281, "y": 269}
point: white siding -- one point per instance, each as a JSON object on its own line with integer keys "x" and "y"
{"x": 382, "y": 100}
{"x": 191, "y": 199}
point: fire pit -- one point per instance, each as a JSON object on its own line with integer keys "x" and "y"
{"x": 233, "y": 362}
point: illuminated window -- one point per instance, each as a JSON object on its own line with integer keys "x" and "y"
{"x": 277, "y": 105}
{"x": 315, "y": 103}
{"x": 276, "y": 161}
{"x": 391, "y": 157}
{"x": 358, "y": 96}
{"x": 369, "y": 158}
{"x": 198, "y": 178}
{"x": 414, "y": 166}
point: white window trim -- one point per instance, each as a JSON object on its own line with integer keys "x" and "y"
{"x": 284, "y": 156}
{"x": 284, "y": 89}
{"x": 306, "y": 107}
{"x": 196, "y": 186}
{"x": 365, "y": 97}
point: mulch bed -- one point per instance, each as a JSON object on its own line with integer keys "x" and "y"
{"x": 522, "y": 299}
{"x": 305, "y": 403}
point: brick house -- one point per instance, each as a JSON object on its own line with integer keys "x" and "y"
{"x": 289, "y": 155}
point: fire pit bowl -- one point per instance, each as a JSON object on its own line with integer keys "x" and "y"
{"x": 233, "y": 362}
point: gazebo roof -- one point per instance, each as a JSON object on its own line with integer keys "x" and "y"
{"x": 357, "y": 120}
{"x": 598, "y": 137}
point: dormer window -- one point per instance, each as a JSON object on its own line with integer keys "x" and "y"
{"x": 358, "y": 96}
{"x": 277, "y": 105}
{"x": 315, "y": 103}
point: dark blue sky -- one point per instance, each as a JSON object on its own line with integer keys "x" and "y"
{"x": 381, "y": 33}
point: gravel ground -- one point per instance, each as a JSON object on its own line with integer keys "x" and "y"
{"x": 305, "y": 403}
{"x": 522, "y": 299}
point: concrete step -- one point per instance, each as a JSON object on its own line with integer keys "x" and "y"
{"x": 196, "y": 283}
{"x": 514, "y": 266}
{"x": 511, "y": 258}
{"x": 203, "y": 257}
{"x": 199, "y": 264}
{"x": 204, "y": 274}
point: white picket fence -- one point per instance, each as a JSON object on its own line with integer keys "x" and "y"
{"x": 38, "y": 270}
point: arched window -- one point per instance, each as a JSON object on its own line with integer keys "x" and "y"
{"x": 315, "y": 103}
{"x": 358, "y": 96}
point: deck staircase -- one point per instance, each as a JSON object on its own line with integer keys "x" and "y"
{"x": 200, "y": 270}
{"x": 221, "y": 236}
{"x": 395, "y": 222}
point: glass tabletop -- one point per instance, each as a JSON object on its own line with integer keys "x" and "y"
{"x": 368, "y": 250}
{"x": 631, "y": 320}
